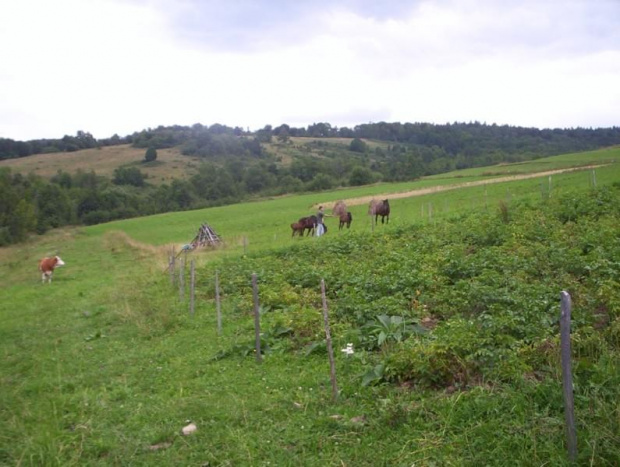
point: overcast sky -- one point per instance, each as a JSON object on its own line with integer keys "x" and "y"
{"x": 119, "y": 66}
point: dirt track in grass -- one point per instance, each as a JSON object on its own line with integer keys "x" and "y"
{"x": 437, "y": 189}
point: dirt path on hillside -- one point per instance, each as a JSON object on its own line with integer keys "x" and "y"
{"x": 436, "y": 189}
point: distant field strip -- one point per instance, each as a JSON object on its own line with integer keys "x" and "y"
{"x": 439, "y": 188}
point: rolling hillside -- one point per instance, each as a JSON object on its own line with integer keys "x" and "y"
{"x": 451, "y": 309}
{"x": 170, "y": 164}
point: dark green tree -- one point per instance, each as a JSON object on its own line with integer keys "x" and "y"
{"x": 361, "y": 176}
{"x": 128, "y": 176}
{"x": 357, "y": 145}
{"x": 150, "y": 155}
{"x": 321, "y": 182}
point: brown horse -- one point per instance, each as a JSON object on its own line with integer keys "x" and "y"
{"x": 297, "y": 228}
{"x": 382, "y": 209}
{"x": 345, "y": 219}
{"x": 308, "y": 223}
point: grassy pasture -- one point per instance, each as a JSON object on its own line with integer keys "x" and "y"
{"x": 266, "y": 224}
{"x": 563, "y": 161}
{"x": 105, "y": 366}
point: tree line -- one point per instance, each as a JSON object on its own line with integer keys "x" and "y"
{"x": 456, "y": 139}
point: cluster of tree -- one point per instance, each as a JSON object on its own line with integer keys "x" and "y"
{"x": 11, "y": 149}
{"x": 210, "y": 142}
{"x": 468, "y": 139}
{"x": 32, "y": 204}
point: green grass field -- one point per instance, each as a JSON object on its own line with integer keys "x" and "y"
{"x": 106, "y": 365}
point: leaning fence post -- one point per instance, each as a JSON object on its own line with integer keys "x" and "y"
{"x": 218, "y": 306}
{"x": 567, "y": 376}
{"x": 259, "y": 358}
{"x": 192, "y": 279}
{"x": 328, "y": 340}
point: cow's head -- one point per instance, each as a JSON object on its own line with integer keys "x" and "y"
{"x": 59, "y": 262}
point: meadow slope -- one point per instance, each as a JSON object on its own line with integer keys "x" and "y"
{"x": 106, "y": 365}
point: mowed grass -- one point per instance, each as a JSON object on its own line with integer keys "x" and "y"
{"x": 170, "y": 163}
{"x": 105, "y": 366}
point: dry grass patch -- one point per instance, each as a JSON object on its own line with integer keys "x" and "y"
{"x": 170, "y": 164}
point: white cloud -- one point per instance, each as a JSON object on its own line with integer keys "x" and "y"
{"x": 109, "y": 66}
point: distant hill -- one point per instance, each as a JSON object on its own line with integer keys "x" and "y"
{"x": 170, "y": 163}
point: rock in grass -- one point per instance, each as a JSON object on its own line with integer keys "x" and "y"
{"x": 189, "y": 429}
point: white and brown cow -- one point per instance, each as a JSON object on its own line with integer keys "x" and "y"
{"x": 47, "y": 266}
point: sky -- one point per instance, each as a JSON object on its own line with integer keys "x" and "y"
{"x": 119, "y": 66}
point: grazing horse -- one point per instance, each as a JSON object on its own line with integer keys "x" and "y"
{"x": 308, "y": 223}
{"x": 382, "y": 209}
{"x": 345, "y": 218}
{"x": 297, "y": 228}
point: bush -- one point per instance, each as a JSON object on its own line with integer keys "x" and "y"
{"x": 357, "y": 145}
{"x": 321, "y": 182}
{"x": 150, "y": 155}
{"x": 361, "y": 176}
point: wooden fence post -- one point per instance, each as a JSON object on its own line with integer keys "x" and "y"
{"x": 182, "y": 280}
{"x": 192, "y": 279}
{"x": 328, "y": 340}
{"x": 567, "y": 376}
{"x": 549, "y": 186}
{"x": 171, "y": 266}
{"x": 486, "y": 199}
{"x": 259, "y": 357}
{"x": 594, "y": 178}
{"x": 218, "y": 306}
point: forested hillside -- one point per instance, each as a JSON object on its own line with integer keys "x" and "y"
{"x": 464, "y": 139}
{"x": 235, "y": 165}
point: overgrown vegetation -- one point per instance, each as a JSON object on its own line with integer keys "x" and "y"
{"x": 486, "y": 286}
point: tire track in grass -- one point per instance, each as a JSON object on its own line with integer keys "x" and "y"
{"x": 440, "y": 188}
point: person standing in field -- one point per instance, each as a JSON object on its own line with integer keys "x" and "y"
{"x": 321, "y": 228}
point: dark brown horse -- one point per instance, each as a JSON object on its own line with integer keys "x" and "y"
{"x": 308, "y": 223}
{"x": 382, "y": 209}
{"x": 297, "y": 228}
{"x": 345, "y": 219}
